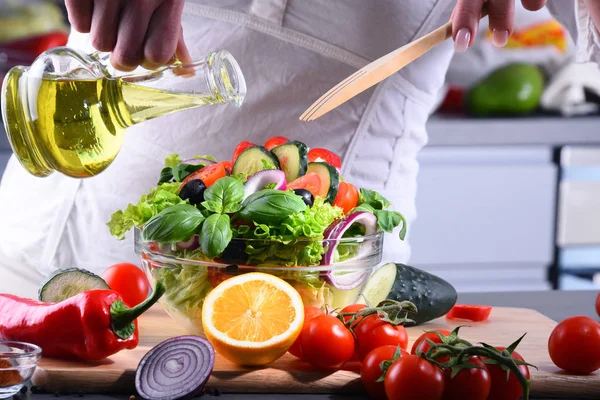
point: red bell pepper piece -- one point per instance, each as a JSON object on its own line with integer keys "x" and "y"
{"x": 91, "y": 325}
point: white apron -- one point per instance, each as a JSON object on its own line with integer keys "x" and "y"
{"x": 291, "y": 51}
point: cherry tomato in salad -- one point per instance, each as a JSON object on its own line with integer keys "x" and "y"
{"x": 319, "y": 154}
{"x": 470, "y": 383}
{"x": 574, "y": 345}
{"x": 310, "y": 182}
{"x": 228, "y": 166}
{"x": 240, "y": 148}
{"x": 370, "y": 370}
{"x": 501, "y": 388}
{"x": 276, "y": 141}
{"x": 421, "y": 342}
{"x": 373, "y": 332}
{"x": 347, "y": 197}
{"x": 326, "y": 342}
{"x": 469, "y": 312}
{"x": 310, "y": 312}
{"x": 414, "y": 378}
{"x": 129, "y": 281}
{"x": 209, "y": 174}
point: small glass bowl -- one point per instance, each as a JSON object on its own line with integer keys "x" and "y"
{"x": 18, "y": 361}
{"x": 189, "y": 280}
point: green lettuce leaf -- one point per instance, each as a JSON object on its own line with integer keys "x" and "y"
{"x": 172, "y": 160}
{"x": 162, "y": 197}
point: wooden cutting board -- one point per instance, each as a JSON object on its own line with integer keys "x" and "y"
{"x": 289, "y": 375}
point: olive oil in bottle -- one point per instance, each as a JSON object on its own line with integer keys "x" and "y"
{"x": 75, "y": 125}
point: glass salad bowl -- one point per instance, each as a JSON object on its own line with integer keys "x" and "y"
{"x": 189, "y": 277}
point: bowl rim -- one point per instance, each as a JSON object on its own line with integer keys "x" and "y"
{"x": 29, "y": 350}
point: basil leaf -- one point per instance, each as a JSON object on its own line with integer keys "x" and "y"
{"x": 215, "y": 235}
{"x": 388, "y": 220}
{"x": 181, "y": 171}
{"x": 224, "y": 196}
{"x": 174, "y": 224}
{"x": 364, "y": 207}
{"x": 270, "y": 206}
{"x": 374, "y": 199}
{"x": 165, "y": 175}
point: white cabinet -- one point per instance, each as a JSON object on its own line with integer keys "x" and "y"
{"x": 485, "y": 216}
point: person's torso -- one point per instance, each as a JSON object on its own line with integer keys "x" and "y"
{"x": 291, "y": 52}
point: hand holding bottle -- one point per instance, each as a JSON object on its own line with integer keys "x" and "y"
{"x": 137, "y": 32}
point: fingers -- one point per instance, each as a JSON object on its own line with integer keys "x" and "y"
{"x": 502, "y": 16}
{"x": 164, "y": 33}
{"x": 105, "y": 25}
{"x": 465, "y": 23}
{"x": 128, "y": 53}
{"x": 80, "y": 14}
{"x": 533, "y": 5}
{"x": 182, "y": 51}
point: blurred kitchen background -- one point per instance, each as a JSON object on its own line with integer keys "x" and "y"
{"x": 509, "y": 187}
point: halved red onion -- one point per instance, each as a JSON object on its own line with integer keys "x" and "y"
{"x": 263, "y": 178}
{"x": 198, "y": 161}
{"x": 190, "y": 244}
{"x": 333, "y": 234}
{"x": 174, "y": 369}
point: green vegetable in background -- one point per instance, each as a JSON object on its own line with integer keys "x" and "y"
{"x": 510, "y": 90}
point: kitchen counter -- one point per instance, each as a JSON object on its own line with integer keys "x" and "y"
{"x": 542, "y": 130}
{"x": 556, "y": 305}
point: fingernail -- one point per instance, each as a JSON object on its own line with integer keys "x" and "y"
{"x": 499, "y": 37}
{"x": 462, "y": 40}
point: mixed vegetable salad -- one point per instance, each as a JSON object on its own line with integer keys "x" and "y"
{"x": 277, "y": 205}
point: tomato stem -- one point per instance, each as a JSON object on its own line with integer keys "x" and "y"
{"x": 389, "y": 310}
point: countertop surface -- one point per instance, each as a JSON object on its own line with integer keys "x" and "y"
{"x": 556, "y": 305}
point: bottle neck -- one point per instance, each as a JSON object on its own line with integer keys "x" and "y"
{"x": 217, "y": 79}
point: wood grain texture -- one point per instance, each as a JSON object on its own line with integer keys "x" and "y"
{"x": 288, "y": 375}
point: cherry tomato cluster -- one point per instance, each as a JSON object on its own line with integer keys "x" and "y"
{"x": 347, "y": 196}
{"x": 440, "y": 365}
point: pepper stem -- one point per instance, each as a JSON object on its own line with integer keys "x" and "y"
{"x": 123, "y": 317}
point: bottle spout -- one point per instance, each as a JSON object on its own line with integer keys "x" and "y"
{"x": 217, "y": 79}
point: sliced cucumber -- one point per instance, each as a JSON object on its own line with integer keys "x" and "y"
{"x": 66, "y": 283}
{"x": 253, "y": 160}
{"x": 293, "y": 159}
{"x": 330, "y": 179}
{"x": 379, "y": 285}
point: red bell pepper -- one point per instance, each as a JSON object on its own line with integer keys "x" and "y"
{"x": 91, "y": 325}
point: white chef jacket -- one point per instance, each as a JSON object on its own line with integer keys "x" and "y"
{"x": 291, "y": 51}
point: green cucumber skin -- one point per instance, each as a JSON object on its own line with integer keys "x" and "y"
{"x": 432, "y": 295}
{"x": 56, "y": 273}
{"x": 334, "y": 179}
{"x": 302, "y": 157}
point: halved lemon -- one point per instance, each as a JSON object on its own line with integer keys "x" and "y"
{"x": 252, "y": 319}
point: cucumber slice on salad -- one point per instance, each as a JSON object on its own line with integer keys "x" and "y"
{"x": 379, "y": 285}
{"x": 253, "y": 160}
{"x": 330, "y": 179}
{"x": 293, "y": 159}
{"x": 67, "y": 283}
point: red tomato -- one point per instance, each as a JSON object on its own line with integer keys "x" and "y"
{"x": 228, "y": 166}
{"x": 373, "y": 332}
{"x": 309, "y": 313}
{"x": 501, "y": 388}
{"x": 469, "y": 383}
{"x": 370, "y": 370}
{"x": 209, "y": 174}
{"x": 325, "y": 155}
{"x": 574, "y": 345}
{"x": 352, "y": 308}
{"x": 310, "y": 182}
{"x": 598, "y": 304}
{"x": 240, "y": 148}
{"x": 326, "y": 342}
{"x": 469, "y": 312}
{"x": 422, "y": 343}
{"x": 129, "y": 281}
{"x": 276, "y": 141}
{"x": 414, "y": 378}
{"x": 347, "y": 197}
